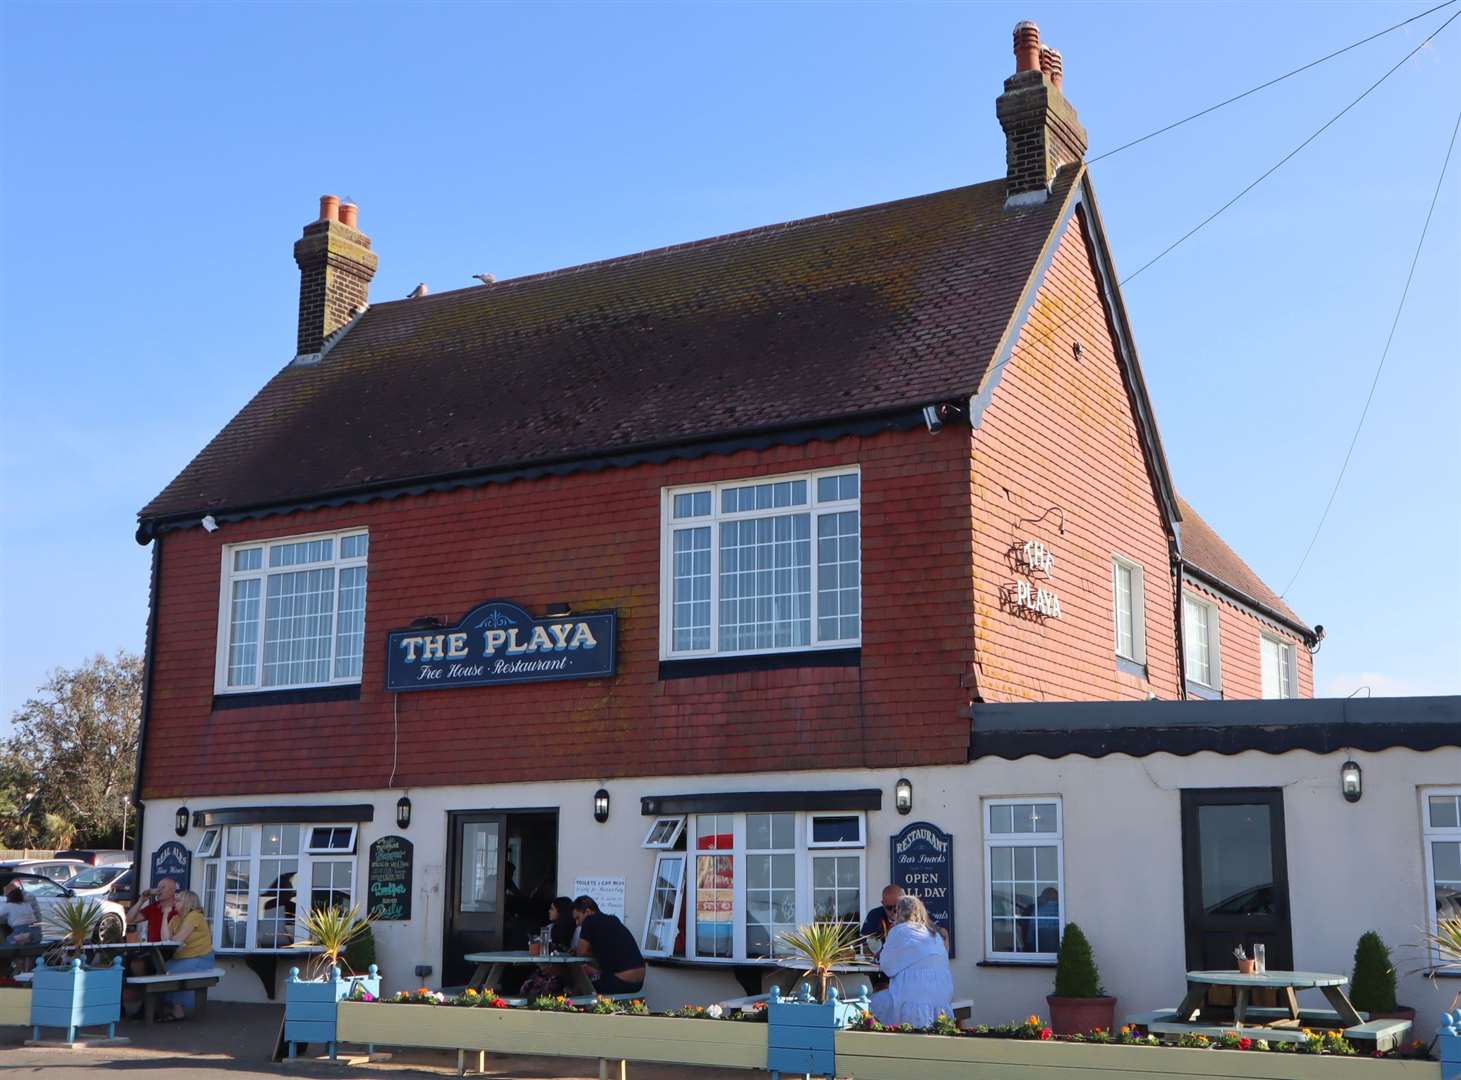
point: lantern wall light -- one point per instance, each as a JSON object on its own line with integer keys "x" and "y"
{"x": 601, "y": 805}
{"x": 403, "y": 813}
{"x": 1351, "y": 781}
{"x": 903, "y": 795}
{"x": 180, "y": 821}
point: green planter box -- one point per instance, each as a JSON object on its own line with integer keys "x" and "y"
{"x": 76, "y": 996}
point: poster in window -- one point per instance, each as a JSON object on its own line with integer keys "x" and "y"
{"x": 389, "y": 887}
{"x": 923, "y": 864}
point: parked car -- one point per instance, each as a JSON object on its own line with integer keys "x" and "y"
{"x": 58, "y": 870}
{"x": 99, "y": 857}
{"x": 100, "y": 882}
{"x": 47, "y": 894}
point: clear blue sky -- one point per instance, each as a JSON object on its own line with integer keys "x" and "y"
{"x": 159, "y": 161}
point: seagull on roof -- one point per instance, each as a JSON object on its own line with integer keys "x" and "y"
{"x": 485, "y": 279}
{"x": 419, "y": 290}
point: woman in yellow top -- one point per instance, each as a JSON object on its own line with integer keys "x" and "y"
{"x": 188, "y": 926}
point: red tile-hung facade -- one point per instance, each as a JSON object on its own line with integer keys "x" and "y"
{"x": 1241, "y": 630}
{"x": 1057, "y": 458}
{"x": 593, "y": 538}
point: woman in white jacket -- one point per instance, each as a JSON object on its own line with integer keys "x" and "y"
{"x": 916, "y": 961}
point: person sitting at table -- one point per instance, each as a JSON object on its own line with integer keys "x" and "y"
{"x": 916, "y": 961}
{"x": 154, "y": 907}
{"x": 189, "y": 927}
{"x": 609, "y": 942}
{"x": 563, "y": 930}
{"x": 24, "y": 924}
{"x": 880, "y": 919}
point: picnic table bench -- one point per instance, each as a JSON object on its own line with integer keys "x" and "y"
{"x": 154, "y": 986}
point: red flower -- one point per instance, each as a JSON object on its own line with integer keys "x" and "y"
{"x": 1245, "y": 1043}
{"x": 1045, "y": 1033}
{"x": 499, "y": 1003}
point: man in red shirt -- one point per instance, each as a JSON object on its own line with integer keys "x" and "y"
{"x": 154, "y": 906}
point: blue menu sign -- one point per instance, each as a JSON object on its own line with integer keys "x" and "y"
{"x": 172, "y": 860}
{"x": 923, "y": 864}
{"x": 498, "y": 642}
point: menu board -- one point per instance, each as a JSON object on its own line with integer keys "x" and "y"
{"x": 389, "y": 890}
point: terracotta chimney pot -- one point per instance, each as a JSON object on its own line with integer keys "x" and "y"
{"x": 1052, "y": 65}
{"x": 329, "y": 208}
{"x": 1027, "y": 46}
{"x": 349, "y": 214}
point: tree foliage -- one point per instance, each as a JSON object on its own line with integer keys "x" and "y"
{"x": 66, "y": 770}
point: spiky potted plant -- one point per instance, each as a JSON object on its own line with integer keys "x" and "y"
{"x": 1372, "y": 983}
{"x": 800, "y": 1030}
{"x": 310, "y": 1003}
{"x": 66, "y": 992}
{"x": 1079, "y": 1004}
{"x": 822, "y": 947}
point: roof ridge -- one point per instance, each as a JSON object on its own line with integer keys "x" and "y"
{"x": 691, "y": 245}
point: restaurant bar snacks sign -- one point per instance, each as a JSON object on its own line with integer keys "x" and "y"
{"x": 923, "y": 864}
{"x": 171, "y": 860}
{"x": 498, "y": 642}
{"x": 389, "y": 890}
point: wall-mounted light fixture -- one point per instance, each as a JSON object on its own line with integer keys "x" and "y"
{"x": 180, "y": 821}
{"x": 558, "y": 607}
{"x": 1351, "y": 784}
{"x": 903, "y": 796}
{"x": 601, "y": 805}
{"x": 403, "y": 813}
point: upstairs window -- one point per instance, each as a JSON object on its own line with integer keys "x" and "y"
{"x": 292, "y": 613}
{"x": 1129, "y": 604}
{"x": 1200, "y": 642}
{"x": 762, "y": 566}
{"x": 1278, "y": 668}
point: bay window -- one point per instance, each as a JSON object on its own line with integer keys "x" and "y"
{"x": 292, "y": 613}
{"x": 257, "y": 878}
{"x": 762, "y": 566}
{"x": 743, "y": 879}
{"x": 1025, "y": 878}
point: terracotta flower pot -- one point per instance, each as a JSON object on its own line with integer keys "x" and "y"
{"x": 1079, "y": 1016}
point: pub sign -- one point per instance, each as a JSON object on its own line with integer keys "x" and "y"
{"x": 498, "y": 642}
{"x": 923, "y": 864}
{"x": 171, "y": 860}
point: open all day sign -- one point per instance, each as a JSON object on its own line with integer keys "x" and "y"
{"x": 498, "y": 642}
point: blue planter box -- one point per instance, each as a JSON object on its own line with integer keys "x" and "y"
{"x": 1448, "y": 1045}
{"x": 309, "y": 1005}
{"x": 76, "y": 996}
{"x": 800, "y": 1034}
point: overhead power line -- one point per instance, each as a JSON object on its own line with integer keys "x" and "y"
{"x": 1390, "y": 338}
{"x": 1266, "y": 85}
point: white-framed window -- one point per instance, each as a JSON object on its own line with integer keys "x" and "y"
{"x": 1200, "y": 642}
{"x": 1024, "y": 874}
{"x": 664, "y": 832}
{"x": 765, "y": 565}
{"x": 1279, "y": 677}
{"x": 745, "y": 878}
{"x": 256, "y": 878}
{"x": 1129, "y": 605}
{"x": 291, "y": 612}
{"x": 1441, "y": 832}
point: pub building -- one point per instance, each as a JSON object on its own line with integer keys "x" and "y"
{"x": 727, "y": 582}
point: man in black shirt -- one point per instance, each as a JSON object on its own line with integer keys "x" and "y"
{"x": 609, "y": 942}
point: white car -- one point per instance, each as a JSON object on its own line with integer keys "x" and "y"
{"x": 48, "y": 894}
{"x": 103, "y": 882}
{"x": 60, "y": 870}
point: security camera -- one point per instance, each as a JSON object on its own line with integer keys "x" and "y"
{"x": 932, "y": 419}
{"x": 209, "y": 524}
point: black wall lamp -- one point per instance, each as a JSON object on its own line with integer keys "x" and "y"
{"x": 180, "y": 821}
{"x": 601, "y": 805}
{"x": 903, "y": 796}
{"x": 1351, "y": 784}
{"x": 403, "y": 813}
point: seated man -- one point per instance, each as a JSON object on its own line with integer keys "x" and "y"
{"x": 609, "y": 942}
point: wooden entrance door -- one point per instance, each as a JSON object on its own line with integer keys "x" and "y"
{"x": 1235, "y": 881}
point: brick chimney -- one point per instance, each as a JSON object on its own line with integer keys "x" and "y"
{"x": 1041, "y": 129}
{"x": 335, "y": 268}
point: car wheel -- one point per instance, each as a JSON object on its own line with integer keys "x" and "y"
{"x": 110, "y": 931}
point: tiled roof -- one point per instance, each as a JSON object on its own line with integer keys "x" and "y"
{"x": 848, "y": 315}
{"x": 1206, "y": 551}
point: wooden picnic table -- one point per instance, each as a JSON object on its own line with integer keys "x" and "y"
{"x": 492, "y": 965}
{"x": 1288, "y": 983}
{"x": 159, "y": 952}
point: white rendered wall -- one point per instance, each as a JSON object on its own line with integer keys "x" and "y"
{"x": 1352, "y": 867}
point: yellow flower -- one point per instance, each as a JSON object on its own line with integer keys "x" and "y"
{"x": 1032, "y": 1020}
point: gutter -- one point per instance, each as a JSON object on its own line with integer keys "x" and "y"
{"x": 153, "y": 592}
{"x": 1304, "y": 632}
